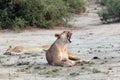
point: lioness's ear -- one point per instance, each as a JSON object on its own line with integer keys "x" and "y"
{"x": 10, "y": 46}
{"x": 57, "y": 35}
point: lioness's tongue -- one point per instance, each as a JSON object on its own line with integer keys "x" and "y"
{"x": 69, "y": 36}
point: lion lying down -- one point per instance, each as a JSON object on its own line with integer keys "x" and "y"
{"x": 24, "y": 50}
{"x": 58, "y": 55}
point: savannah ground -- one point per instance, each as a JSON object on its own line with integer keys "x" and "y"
{"x": 100, "y": 43}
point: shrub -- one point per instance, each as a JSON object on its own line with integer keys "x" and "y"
{"x": 76, "y": 6}
{"x": 19, "y": 23}
{"x": 5, "y": 13}
{"x": 44, "y": 13}
{"x": 17, "y": 14}
{"x": 103, "y": 2}
{"x": 112, "y": 11}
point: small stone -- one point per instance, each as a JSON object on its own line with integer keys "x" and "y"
{"x": 95, "y": 57}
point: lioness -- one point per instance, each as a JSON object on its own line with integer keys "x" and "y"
{"x": 24, "y": 50}
{"x": 58, "y": 54}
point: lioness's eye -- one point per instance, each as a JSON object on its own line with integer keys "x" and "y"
{"x": 64, "y": 32}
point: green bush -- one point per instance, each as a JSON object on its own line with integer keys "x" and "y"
{"x": 76, "y": 6}
{"x": 19, "y": 23}
{"x": 5, "y": 13}
{"x": 111, "y": 12}
{"x": 103, "y": 2}
{"x": 18, "y": 14}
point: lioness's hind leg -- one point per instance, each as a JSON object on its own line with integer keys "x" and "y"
{"x": 77, "y": 58}
{"x": 73, "y": 56}
{"x": 69, "y": 63}
{"x": 58, "y": 63}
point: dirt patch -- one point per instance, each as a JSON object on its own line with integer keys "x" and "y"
{"x": 92, "y": 40}
{"x": 96, "y": 41}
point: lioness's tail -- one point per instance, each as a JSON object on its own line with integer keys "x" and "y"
{"x": 45, "y": 47}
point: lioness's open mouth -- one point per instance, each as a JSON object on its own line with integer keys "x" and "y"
{"x": 69, "y": 34}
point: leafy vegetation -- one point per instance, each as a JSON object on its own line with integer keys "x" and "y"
{"x": 19, "y": 14}
{"x": 111, "y": 11}
{"x": 76, "y": 6}
{"x": 103, "y": 2}
{"x": 94, "y": 70}
{"x": 74, "y": 74}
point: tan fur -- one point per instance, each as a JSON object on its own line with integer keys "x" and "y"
{"x": 24, "y": 50}
{"x": 58, "y": 53}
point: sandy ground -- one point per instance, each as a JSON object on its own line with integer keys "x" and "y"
{"x": 102, "y": 41}
{"x": 91, "y": 40}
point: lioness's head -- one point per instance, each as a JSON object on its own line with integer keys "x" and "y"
{"x": 65, "y": 36}
{"x": 9, "y": 50}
